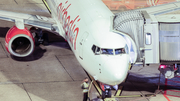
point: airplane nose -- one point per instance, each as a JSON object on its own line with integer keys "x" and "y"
{"x": 117, "y": 69}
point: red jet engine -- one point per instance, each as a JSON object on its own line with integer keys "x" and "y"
{"x": 19, "y": 42}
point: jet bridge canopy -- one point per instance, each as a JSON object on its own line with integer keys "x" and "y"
{"x": 142, "y": 35}
{"x": 152, "y": 33}
{"x": 131, "y": 23}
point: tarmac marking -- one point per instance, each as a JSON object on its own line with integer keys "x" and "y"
{"x": 26, "y": 91}
{"x": 15, "y": 2}
{"x": 166, "y": 97}
{"x": 165, "y": 90}
{"x": 64, "y": 67}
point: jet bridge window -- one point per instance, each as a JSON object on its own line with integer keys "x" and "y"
{"x": 148, "y": 39}
{"x": 96, "y": 50}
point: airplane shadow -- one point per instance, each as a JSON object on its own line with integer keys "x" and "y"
{"x": 148, "y": 84}
{"x": 37, "y": 54}
{"x": 135, "y": 83}
{"x": 4, "y": 31}
{"x": 58, "y": 41}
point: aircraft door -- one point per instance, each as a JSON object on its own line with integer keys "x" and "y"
{"x": 151, "y": 43}
{"x": 83, "y": 40}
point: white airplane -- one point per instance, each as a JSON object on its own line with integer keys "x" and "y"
{"x": 85, "y": 24}
{"x": 87, "y": 27}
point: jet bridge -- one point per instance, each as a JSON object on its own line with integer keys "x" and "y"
{"x": 156, "y": 38}
{"x": 131, "y": 23}
{"x": 137, "y": 25}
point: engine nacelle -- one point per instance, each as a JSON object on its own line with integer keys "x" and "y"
{"x": 19, "y": 42}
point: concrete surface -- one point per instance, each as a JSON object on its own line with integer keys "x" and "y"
{"x": 52, "y": 73}
{"x": 24, "y": 6}
{"x": 49, "y": 74}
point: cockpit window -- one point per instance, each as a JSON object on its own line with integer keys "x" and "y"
{"x": 97, "y": 50}
{"x": 126, "y": 49}
{"x": 94, "y": 48}
{"x": 120, "y": 51}
{"x": 107, "y": 51}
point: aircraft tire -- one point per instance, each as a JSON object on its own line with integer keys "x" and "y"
{"x": 103, "y": 94}
{"x": 109, "y": 93}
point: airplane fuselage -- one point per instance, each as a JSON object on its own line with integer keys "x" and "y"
{"x": 86, "y": 26}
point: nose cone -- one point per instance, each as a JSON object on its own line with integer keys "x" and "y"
{"x": 116, "y": 69}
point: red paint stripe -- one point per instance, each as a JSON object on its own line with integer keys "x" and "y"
{"x": 166, "y": 97}
{"x": 173, "y": 95}
{"x": 165, "y": 91}
{"x": 174, "y": 91}
{"x": 165, "y": 88}
{"x": 174, "y": 81}
{"x": 173, "y": 85}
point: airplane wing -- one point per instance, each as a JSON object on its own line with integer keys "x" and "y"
{"x": 20, "y": 19}
{"x": 16, "y": 35}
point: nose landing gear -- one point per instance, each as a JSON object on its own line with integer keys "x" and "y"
{"x": 106, "y": 91}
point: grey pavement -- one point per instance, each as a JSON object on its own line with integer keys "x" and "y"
{"x": 49, "y": 74}
{"x": 24, "y": 6}
{"x": 52, "y": 72}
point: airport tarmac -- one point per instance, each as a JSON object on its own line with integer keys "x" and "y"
{"x": 52, "y": 72}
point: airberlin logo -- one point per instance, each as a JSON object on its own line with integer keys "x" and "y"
{"x": 69, "y": 24}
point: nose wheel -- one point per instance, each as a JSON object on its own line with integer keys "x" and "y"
{"x": 106, "y": 93}
{"x": 103, "y": 90}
